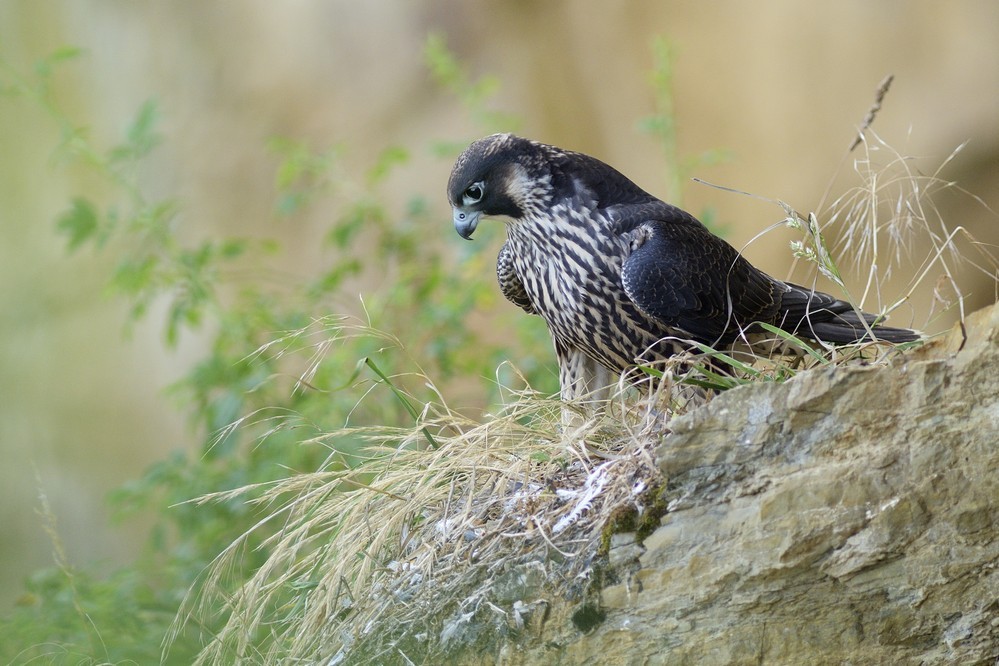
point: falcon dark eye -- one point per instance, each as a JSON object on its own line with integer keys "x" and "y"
{"x": 473, "y": 194}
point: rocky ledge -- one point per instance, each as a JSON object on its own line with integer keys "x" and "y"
{"x": 849, "y": 515}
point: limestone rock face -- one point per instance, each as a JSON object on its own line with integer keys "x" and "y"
{"x": 849, "y": 515}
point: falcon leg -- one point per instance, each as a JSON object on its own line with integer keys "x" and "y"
{"x": 581, "y": 378}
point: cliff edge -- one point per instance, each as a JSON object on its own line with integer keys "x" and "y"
{"x": 848, "y": 515}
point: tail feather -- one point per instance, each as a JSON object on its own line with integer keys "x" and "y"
{"x": 822, "y": 317}
{"x": 838, "y": 331}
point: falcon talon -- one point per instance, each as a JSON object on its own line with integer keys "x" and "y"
{"x": 621, "y": 276}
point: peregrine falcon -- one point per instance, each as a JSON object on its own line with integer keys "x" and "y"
{"x": 619, "y": 276}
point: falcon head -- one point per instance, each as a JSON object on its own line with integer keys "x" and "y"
{"x": 501, "y": 174}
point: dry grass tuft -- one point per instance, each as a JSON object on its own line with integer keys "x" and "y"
{"x": 428, "y": 536}
{"x": 890, "y": 213}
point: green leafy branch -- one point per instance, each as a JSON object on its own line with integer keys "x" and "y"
{"x": 663, "y": 125}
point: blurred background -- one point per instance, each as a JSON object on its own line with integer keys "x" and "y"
{"x": 779, "y": 87}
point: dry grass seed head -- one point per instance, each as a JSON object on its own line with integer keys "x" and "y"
{"x": 890, "y": 213}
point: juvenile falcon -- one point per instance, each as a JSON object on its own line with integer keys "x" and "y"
{"x": 620, "y": 276}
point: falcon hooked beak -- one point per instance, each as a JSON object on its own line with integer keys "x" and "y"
{"x": 488, "y": 185}
{"x": 465, "y": 221}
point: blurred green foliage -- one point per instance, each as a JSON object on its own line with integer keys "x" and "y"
{"x": 662, "y": 126}
{"x": 280, "y": 370}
